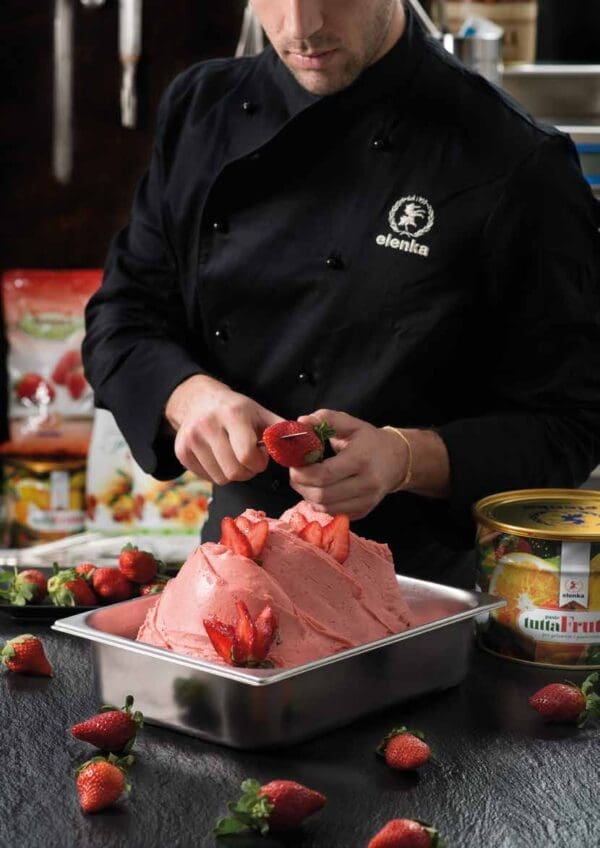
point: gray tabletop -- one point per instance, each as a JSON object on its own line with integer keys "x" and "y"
{"x": 499, "y": 776}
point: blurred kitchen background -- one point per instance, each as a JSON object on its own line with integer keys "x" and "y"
{"x": 77, "y": 130}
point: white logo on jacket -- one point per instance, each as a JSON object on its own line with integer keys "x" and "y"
{"x": 411, "y": 216}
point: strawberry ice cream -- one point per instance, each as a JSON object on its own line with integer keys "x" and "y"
{"x": 322, "y": 606}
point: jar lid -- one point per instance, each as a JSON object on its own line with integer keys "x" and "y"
{"x": 561, "y": 514}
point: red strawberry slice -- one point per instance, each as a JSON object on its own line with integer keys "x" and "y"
{"x": 248, "y": 642}
{"x": 336, "y": 537}
{"x": 222, "y": 636}
{"x": 266, "y": 629}
{"x": 297, "y": 522}
{"x": 234, "y": 538}
{"x": 245, "y": 634}
{"x": 255, "y": 531}
{"x": 313, "y": 533}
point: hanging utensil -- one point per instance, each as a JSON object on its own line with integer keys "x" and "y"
{"x": 62, "y": 130}
{"x": 130, "y": 42}
{"x": 251, "y": 40}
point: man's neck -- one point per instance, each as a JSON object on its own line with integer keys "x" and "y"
{"x": 394, "y": 32}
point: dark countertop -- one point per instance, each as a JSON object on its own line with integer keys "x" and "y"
{"x": 500, "y": 776}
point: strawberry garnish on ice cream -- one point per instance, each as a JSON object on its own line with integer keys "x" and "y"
{"x": 300, "y": 450}
{"x": 243, "y": 536}
{"x": 333, "y": 537}
{"x": 246, "y": 643}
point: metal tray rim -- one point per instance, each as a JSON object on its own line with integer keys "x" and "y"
{"x": 76, "y": 625}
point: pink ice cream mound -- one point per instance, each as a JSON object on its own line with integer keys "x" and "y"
{"x": 321, "y": 606}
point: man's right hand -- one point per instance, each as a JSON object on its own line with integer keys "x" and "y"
{"x": 217, "y": 430}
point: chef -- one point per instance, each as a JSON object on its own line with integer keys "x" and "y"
{"x": 352, "y": 227}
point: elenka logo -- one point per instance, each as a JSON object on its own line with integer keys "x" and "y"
{"x": 411, "y": 217}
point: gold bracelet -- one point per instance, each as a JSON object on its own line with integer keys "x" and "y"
{"x": 409, "y": 464}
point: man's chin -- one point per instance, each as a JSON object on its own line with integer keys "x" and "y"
{"x": 321, "y": 84}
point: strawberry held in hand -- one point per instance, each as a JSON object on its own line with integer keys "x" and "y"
{"x": 404, "y": 750}
{"x": 406, "y": 833}
{"x": 566, "y": 702}
{"x": 25, "y": 654}
{"x": 277, "y": 806}
{"x": 101, "y": 782}
{"x": 300, "y": 450}
{"x": 23, "y": 587}
{"x": 137, "y": 566}
{"x": 248, "y": 642}
{"x": 111, "y": 729}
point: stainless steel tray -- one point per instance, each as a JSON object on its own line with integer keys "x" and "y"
{"x": 260, "y": 708}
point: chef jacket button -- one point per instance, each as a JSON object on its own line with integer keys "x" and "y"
{"x": 249, "y": 107}
{"x": 305, "y": 377}
{"x": 379, "y": 144}
{"x": 334, "y": 262}
{"x": 275, "y": 485}
{"x": 221, "y": 334}
{"x": 219, "y": 226}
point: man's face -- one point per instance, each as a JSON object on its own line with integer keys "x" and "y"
{"x": 326, "y": 44}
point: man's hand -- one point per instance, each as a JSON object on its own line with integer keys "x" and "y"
{"x": 369, "y": 464}
{"x": 217, "y": 430}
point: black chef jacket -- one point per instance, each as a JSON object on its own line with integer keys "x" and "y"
{"x": 414, "y": 250}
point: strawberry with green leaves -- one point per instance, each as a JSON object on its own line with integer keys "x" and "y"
{"x": 101, "y": 782}
{"x": 301, "y": 449}
{"x": 25, "y": 654}
{"x": 404, "y": 750}
{"x": 111, "y": 729}
{"x": 567, "y": 702}
{"x": 23, "y": 587}
{"x": 248, "y": 642}
{"x": 276, "y": 806}
{"x": 406, "y": 833}
{"x": 68, "y": 589}
{"x": 137, "y": 566}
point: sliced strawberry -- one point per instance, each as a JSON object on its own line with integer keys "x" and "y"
{"x": 245, "y": 634}
{"x": 297, "y": 522}
{"x": 69, "y": 361}
{"x": 234, "y": 538}
{"x": 313, "y": 533}
{"x": 255, "y": 531}
{"x": 336, "y": 537}
{"x": 222, "y": 636}
{"x": 266, "y": 629}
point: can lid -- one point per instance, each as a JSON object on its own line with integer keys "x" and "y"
{"x": 561, "y": 514}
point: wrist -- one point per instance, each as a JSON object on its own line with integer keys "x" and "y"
{"x": 182, "y": 397}
{"x": 404, "y": 465}
{"x": 429, "y": 463}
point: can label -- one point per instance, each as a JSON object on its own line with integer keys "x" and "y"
{"x": 44, "y": 501}
{"x": 552, "y": 592}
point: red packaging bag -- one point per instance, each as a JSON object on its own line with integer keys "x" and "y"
{"x": 51, "y": 405}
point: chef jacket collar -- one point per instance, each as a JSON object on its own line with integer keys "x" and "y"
{"x": 389, "y": 75}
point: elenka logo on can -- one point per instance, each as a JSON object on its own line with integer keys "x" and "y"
{"x": 412, "y": 217}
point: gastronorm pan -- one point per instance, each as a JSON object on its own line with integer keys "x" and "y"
{"x": 260, "y": 708}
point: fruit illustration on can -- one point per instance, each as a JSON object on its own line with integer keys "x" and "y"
{"x": 540, "y": 551}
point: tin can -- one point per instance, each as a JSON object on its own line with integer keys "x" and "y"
{"x": 540, "y": 550}
{"x": 44, "y": 500}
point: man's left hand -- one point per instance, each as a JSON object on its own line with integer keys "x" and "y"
{"x": 369, "y": 464}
